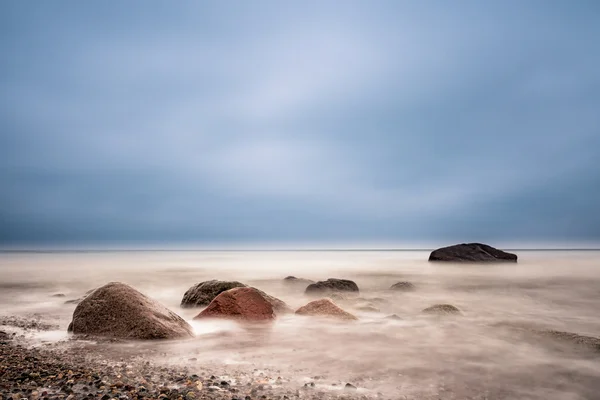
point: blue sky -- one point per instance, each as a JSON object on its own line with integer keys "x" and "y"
{"x": 220, "y": 121}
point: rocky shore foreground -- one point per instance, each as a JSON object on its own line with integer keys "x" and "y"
{"x": 56, "y": 372}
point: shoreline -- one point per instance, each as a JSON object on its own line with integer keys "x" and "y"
{"x": 53, "y": 371}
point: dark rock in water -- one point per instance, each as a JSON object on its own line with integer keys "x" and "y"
{"x": 471, "y": 252}
{"x": 332, "y": 285}
{"x": 394, "y": 317}
{"x": 573, "y": 338}
{"x": 368, "y": 308}
{"x": 324, "y": 308}
{"x": 442, "y": 309}
{"x": 349, "y": 387}
{"x": 203, "y": 293}
{"x": 243, "y": 303}
{"x": 117, "y": 310}
{"x": 403, "y": 286}
{"x": 58, "y": 295}
{"x": 297, "y": 281}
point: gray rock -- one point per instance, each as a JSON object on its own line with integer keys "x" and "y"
{"x": 332, "y": 285}
{"x": 403, "y": 287}
{"x": 471, "y": 252}
{"x": 117, "y": 310}
{"x": 442, "y": 309}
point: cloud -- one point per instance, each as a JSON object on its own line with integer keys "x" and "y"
{"x": 314, "y": 121}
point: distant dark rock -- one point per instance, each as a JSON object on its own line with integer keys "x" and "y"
{"x": 324, "y": 308}
{"x": 349, "y": 387}
{"x": 58, "y": 295}
{"x": 442, "y": 309}
{"x": 394, "y": 317}
{"x": 241, "y": 303}
{"x": 292, "y": 280}
{"x": 368, "y": 308}
{"x": 403, "y": 287}
{"x": 203, "y": 293}
{"x": 471, "y": 252}
{"x": 117, "y": 310}
{"x": 332, "y": 285}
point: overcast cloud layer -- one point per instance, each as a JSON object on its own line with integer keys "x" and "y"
{"x": 313, "y": 121}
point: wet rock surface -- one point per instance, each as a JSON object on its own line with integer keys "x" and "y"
{"x": 203, "y": 293}
{"x": 442, "y": 309}
{"x": 118, "y": 310}
{"x": 403, "y": 287}
{"x": 325, "y": 308}
{"x": 244, "y": 303}
{"x": 471, "y": 252}
{"x": 332, "y": 285}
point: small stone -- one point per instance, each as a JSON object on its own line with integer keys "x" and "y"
{"x": 349, "y": 387}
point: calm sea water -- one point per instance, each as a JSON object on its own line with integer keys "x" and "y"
{"x": 477, "y": 355}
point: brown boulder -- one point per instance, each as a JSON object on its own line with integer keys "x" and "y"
{"x": 325, "y": 308}
{"x": 244, "y": 303}
{"x": 203, "y": 293}
{"x": 118, "y": 310}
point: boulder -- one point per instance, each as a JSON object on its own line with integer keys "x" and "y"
{"x": 203, "y": 293}
{"x": 471, "y": 252}
{"x": 332, "y": 285}
{"x": 403, "y": 287}
{"x": 324, "y": 308}
{"x": 117, "y": 310}
{"x": 242, "y": 303}
{"x": 441, "y": 309}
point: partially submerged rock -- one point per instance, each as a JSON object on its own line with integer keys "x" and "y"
{"x": 203, "y": 293}
{"x": 471, "y": 252}
{"x": 292, "y": 280}
{"x": 442, "y": 309}
{"x": 243, "y": 303}
{"x": 368, "y": 308}
{"x": 325, "y": 308}
{"x": 117, "y": 310}
{"x": 394, "y": 317}
{"x": 403, "y": 287}
{"x": 332, "y": 285}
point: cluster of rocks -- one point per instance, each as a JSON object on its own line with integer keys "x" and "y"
{"x": 120, "y": 311}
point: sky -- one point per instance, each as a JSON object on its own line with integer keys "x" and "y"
{"x": 313, "y": 121}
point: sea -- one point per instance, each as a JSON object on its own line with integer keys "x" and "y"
{"x": 500, "y": 347}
